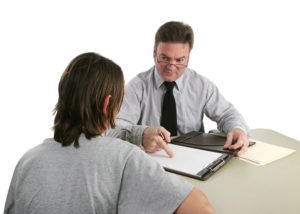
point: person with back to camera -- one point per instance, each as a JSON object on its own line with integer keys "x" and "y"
{"x": 149, "y": 122}
{"x": 82, "y": 171}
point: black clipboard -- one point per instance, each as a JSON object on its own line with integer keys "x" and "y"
{"x": 207, "y": 172}
{"x": 192, "y": 162}
{"x": 204, "y": 141}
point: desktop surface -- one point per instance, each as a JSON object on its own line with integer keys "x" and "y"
{"x": 242, "y": 188}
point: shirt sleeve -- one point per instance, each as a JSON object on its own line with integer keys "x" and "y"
{"x": 130, "y": 133}
{"x": 147, "y": 188}
{"x": 223, "y": 112}
{"x": 130, "y": 111}
{"x": 10, "y": 199}
{"x": 127, "y": 120}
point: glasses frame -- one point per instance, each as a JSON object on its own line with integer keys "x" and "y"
{"x": 167, "y": 62}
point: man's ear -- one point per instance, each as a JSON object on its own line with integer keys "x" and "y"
{"x": 154, "y": 52}
{"x": 105, "y": 104}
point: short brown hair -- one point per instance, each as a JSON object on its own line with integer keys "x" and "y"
{"x": 85, "y": 83}
{"x": 176, "y": 32}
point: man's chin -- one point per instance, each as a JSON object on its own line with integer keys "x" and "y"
{"x": 170, "y": 78}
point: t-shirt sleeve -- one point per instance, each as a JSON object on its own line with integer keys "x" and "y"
{"x": 147, "y": 188}
{"x": 10, "y": 199}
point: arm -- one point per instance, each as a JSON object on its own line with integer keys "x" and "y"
{"x": 127, "y": 127}
{"x": 131, "y": 109}
{"x": 151, "y": 138}
{"x": 229, "y": 120}
{"x": 195, "y": 202}
{"x": 130, "y": 133}
{"x": 11, "y": 198}
{"x": 218, "y": 109}
{"x": 146, "y": 186}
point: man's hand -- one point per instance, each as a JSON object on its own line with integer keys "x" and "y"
{"x": 237, "y": 139}
{"x": 156, "y": 138}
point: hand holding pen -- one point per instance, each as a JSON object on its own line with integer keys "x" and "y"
{"x": 156, "y": 138}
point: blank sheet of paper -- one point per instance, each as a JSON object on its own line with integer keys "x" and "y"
{"x": 186, "y": 159}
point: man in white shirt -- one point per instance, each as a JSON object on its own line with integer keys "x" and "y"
{"x": 195, "y": 96}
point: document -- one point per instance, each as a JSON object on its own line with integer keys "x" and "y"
{"x": 192, "y": 162}
{"x": 263, "y": 153}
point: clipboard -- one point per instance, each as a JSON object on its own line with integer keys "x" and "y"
{"x": 197, "y": 155}
{"x": 206, "y": 141}
{"x": 195, "y": 163}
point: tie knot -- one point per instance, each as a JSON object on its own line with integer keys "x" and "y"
{"x": 170, "y": 85}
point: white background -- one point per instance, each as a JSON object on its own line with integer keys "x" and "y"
{"x": 250, "y": 49}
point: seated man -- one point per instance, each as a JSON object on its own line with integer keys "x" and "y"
{"x": 174, "y": 97}
{"x": 81, "y": 171}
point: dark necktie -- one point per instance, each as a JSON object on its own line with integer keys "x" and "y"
{"x": 168, "y": 115}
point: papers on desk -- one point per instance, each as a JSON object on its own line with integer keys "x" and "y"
{"x": 263, "y": 153}
{"x": 196, "y": 163}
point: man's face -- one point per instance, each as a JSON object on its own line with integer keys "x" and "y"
{"x": 171, "y": 59}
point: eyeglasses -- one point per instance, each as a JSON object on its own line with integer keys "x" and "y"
{"x": 179, "y": 63}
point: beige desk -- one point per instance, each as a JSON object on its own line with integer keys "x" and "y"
{"x": 242, "y": 188}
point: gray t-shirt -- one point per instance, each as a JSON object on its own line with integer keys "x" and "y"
{"x": 104, "y": 175}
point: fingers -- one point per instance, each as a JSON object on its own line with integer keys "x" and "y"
{"x": 242, "y": 150}
{"x": 152, "y": 147}
{"x": 228, "y": 141}
{"x": 163, "y": 145}
{"x": 165, "y": 138}
{"x": 158, "y": 145}
{"x": 237, "y": 141}
{"x": 165, "y": 134}
{"x": 244, "y": 147}
{"x": 155, "y": 139}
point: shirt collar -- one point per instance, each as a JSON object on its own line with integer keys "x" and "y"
{"x": 159, "y": 81}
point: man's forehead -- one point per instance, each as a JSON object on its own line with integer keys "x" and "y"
{"x": 173, "y": 50}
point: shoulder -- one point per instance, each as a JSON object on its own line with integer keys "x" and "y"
{"x": 41, "y": 148}
{"x": 192, "y": 79}
{"x": 192, "y": 75}
{"x": 35, "y": 154}
{"x": 118, "y": 144}
{"x": 142, "y": 79}
{"x": 95, "y": 148}
{"x": 109, "y": 146}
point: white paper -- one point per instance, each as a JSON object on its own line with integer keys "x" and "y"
{"x": 185, "y": 159}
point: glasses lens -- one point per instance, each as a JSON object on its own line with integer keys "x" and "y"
{"x": 180, "y": 63}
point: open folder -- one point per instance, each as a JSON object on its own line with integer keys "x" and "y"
{"x": 197, "y": 155}
{"x": 206, "y": 141}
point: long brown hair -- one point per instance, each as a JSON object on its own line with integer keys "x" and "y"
{"x": 85, "y": 83}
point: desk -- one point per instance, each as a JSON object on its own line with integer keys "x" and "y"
{"x": 243, "y": 188}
